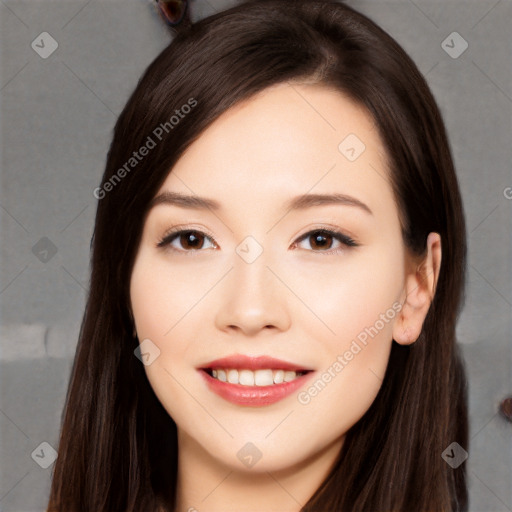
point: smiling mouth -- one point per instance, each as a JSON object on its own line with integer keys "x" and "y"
{"x": 261, "y": 377}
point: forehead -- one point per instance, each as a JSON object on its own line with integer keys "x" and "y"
{"x": 285, "y": 141}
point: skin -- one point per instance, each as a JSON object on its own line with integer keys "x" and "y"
{"x": 297, "y": 301}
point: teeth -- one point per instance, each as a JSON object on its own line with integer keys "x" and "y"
{"x": 255, "y": 378}
{"x": 263, "y": 377}
{"x": 246, "y": 377}
{"x": 278, "y": 376}
{"x": 288, "y": 376}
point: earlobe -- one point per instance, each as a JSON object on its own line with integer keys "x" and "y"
{"x": 418, "y": 293}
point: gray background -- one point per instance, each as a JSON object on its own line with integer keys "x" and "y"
{"x": 57, "y": 116}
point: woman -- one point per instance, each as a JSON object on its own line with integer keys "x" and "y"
{"x": 277, "y": 271}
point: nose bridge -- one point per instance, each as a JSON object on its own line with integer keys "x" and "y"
{"x": 251, "y": 278}
{"x": 252, "y": 297}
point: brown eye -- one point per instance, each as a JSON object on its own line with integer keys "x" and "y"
{"x": 188, "y": 240}
{"x": 321, "y": 240}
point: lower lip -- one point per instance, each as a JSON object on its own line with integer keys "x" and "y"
{"x": 254, "y": 396}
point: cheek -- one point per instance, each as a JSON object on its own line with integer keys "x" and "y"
{"x": 147, "y": 294}
{"x": 349, "y": 295}
{"x": 160, "y": 303}
{"x": 168, "y": 303}
{"x": 157, "y": 305}
{"x": 356, "y": 302}
{"x": 162, "y": 295}
{"x": 352, "y": 368}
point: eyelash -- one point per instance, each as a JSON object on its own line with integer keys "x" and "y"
{"x": 170, "y": 236}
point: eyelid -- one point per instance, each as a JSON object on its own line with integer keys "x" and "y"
{"x": 168, "y": 236}
{"x": 338, "y": 235}
{"x": 343, "y": 238}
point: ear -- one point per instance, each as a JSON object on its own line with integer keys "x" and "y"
{"x": 420, "y": 286}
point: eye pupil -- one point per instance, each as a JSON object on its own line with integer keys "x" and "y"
{"x": 189, "y": 235}
{"x": 318, "y": 239}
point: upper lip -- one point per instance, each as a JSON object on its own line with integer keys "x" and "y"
{"x": 239, "y": 361}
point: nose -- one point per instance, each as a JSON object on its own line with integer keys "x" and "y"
{"x": 252, "y": 298}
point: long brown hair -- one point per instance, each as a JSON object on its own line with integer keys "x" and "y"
{"x": 118, "y": 448}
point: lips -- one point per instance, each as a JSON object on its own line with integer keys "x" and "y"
{"x": 287, "y": 378}
{"x": 240, "y": 362}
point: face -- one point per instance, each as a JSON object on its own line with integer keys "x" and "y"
{"x": 316, "y": 284}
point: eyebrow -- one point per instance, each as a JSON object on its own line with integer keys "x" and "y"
{"x": 297, "y": 203}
